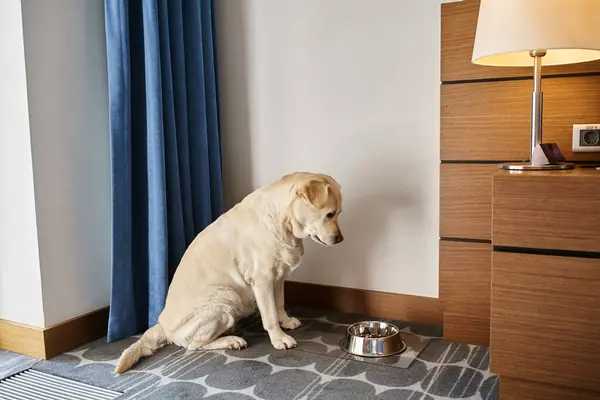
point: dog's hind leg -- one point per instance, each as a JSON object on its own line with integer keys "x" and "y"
{"x": 214, "y": 317}
{"x": 208, "y": 336}
{"x": 209, "y": 328}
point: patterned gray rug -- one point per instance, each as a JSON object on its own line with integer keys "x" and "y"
{"x": 317, "y": 369}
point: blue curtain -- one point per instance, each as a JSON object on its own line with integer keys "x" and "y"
{"x": 165, "y": 147}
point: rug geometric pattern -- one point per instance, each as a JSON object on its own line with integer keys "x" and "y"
{"x": 315, "y": 370}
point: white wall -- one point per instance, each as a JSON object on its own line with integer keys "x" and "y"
{"x": 20, "y": 285}
{"x": 349, "y": 88}
{"x": 68, "y": 105}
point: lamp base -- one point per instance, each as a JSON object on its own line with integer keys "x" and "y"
{"x": 543, "y": 167}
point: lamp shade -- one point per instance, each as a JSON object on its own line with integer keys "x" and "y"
{"x": 507, "y": 30}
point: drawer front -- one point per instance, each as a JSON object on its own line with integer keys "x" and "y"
{"x": 545, "y": 319}
{"x": 554, "y": 212}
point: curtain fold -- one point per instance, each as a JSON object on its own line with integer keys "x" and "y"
{"x": 165, "y": 147}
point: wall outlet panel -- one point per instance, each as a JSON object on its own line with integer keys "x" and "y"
{"x": 586, "y": 138}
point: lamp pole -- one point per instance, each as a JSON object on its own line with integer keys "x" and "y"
{"x": 537, "y": 100}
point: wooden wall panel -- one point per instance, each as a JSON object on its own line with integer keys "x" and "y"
{"x": 531, "y": 212}
{"x": 568, "y": 101}
{"x": 544, "y": 319}
{"x": 459, "y": 22}
{"x": 491, "y": 120}
{"x": 485, "y": 121}
{"x": 466, "y": 200}
{"x": 465, "y": 272}
{"x": 464, "y": 327}
{"x": 485, "y": 117}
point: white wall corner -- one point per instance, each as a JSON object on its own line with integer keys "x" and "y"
{"x": 20, "y": 279}
{"x": 67, "y": 86}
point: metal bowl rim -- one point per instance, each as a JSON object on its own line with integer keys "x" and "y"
{"x": 397, "y": 333}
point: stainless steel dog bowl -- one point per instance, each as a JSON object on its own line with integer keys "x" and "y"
{"x": 373, "y": 339}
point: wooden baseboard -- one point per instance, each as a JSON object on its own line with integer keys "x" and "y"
{"x": 45, "y": 343}
{"x": 70, "y": 334}
{"x": 400, "y": 307}
{"x": 23, "y": 339}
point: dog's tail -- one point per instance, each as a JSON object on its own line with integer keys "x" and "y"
{"x": 152, "y": 340}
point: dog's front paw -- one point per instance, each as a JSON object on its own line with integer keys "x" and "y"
{"x": 283, "y": 342}
{"x": 290, "y": 323}
{"x": 235, "y": 343}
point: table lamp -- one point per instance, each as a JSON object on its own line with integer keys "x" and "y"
{"x": 519, "y": 33}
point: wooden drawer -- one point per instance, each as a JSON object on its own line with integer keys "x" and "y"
{"x": 547, "y": 210}
{"x": 466, "y": 200}
{"x": 545, "y": 319}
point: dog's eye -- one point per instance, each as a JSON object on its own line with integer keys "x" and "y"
{"x": 331, "y": 215}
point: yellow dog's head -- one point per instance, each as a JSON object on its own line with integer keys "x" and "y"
{"x": 316, "y": 209}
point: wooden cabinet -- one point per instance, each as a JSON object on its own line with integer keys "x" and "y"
{"x": 485, "y": 120}
{"x": 545, "y": 286}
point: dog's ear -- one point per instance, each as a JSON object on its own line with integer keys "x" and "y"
{"x": 315, "y": 192}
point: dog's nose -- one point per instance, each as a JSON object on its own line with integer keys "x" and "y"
{"x": 339, "y": 238}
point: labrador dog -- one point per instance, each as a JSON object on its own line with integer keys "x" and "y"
{"x": 240, "y": 262}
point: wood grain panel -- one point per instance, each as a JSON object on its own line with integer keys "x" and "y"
{"x": 465, "y": 272}
{"x": 459, "y": 22}
{"x": 491, "y": 120}
{"x": 22, "y": 339}
{"x": 485, "y": 121}
{"x": 547, "y": 210}
{"x": 465, "y": 327}
{"x": 73, "y": 333}
{"x": 517, "y": 389}
{"x": 400, "y": 307}
{"x": 544, "y": 319}
{"x": 45, "y": 343}
{"x": 466, "y": 200}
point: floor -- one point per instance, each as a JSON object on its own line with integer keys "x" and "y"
{"x": 317, "y": 369}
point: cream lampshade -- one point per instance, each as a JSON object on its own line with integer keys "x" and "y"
{"x": 519, "y": 33}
